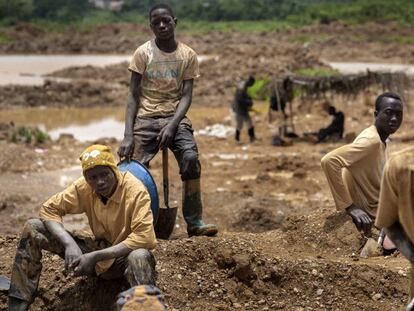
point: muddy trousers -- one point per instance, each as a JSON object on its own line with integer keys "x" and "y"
{"x": 138, "y": 267}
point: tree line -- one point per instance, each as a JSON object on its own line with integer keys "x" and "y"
{"x": 296, "y": 11}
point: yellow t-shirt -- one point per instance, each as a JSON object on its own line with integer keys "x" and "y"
{"x": 162, "y": 77}
{"x": 396, "y": 196}
{"x": 126, "y": 218}
{"x": 354, "y": 171}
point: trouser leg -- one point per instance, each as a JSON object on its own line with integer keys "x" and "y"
{"x": 27, "y": 264}
{"x": 138, "y": 267}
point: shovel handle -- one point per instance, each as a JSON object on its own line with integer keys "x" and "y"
{"x": 165, "y": 175}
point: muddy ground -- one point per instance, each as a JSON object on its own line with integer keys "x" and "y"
{"x": 281, "y": 245}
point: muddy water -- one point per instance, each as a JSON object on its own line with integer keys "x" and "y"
{"x": 354, "y": 68}
{"x": 28, "y": 69}
{"x": 84, "y": 124}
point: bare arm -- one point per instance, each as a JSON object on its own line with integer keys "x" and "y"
{"x": 400, "y": 239}
{"x": 85, "y": 264}
{"x": 166, "y": 135}
{"x": 127, "y": 145}
{"x": 72, "y": 250}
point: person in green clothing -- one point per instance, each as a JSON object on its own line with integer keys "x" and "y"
{"x": 162, "y": 77}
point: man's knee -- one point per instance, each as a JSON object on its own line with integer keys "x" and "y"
{"x": 190, "y": 166}
{"x": 141, "y": 256}
{"x": 33, "y": 226}
{"x": 140, "y": 268}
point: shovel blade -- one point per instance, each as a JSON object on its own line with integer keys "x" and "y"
{"x": 4, "y": 284}
{"x": 165, "y": 222}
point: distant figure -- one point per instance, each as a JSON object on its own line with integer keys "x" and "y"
{"x": 354, "y": 171}
{"x": 335, "y": 128}
{"x": 241, "y": 105}
{"x": 277, "y": 112}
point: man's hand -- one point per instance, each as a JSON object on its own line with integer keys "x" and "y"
{"x": 166, "y": 136}
{"x": 126, "y": 148}
{"x": 84, "y": 265}
{"x": 72, "y": 252}
{"x": 360, "y": 218}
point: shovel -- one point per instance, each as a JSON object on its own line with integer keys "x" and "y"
{"x": 166, "y": 216}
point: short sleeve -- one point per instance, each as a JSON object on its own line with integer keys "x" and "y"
{"x": 62, "y": 203}
{"x": 192, "y": 70}
{"x": 139, "y": 61}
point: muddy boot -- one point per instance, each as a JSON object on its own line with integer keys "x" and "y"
{"x": 193, "y": 210}
{"x": 237, "y": 136}
{"x": 16, "y": 304}
{"x": 251, "y": 134}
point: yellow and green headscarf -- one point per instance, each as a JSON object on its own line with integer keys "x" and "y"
{"x": 97, "y": 155}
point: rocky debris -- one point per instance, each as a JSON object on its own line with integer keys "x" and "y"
{"x": 226, "y": 273}
{"x": 258, "y": 219}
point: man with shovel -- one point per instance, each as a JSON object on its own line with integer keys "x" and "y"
{"x": 118, "y": 209}
{"x": 354, "y": 171}
{"x": 162, "y": 75}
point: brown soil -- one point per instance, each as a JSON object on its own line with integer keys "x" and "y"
{"x": 281, "y": 244}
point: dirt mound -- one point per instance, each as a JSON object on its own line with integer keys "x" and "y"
{"x": 231, "y": 272}
{"x": 258, "y": 219}
{"x": 54, "y": 94}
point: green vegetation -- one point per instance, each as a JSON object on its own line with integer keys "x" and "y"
{"x": 260, "y": 90}
{"x": 316, "y": 72}
{"x": 28, "y": 135}
{"x": 4, "y": 39}
{"x": 197, "y": 15}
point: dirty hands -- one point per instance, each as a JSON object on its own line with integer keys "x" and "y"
{"x": 84, "y": 264}
{"x": 166, "y": 136}
{"x": 126, "y": 148}
{"x": 72, "y": 252}
{"x": 360, "y": 218}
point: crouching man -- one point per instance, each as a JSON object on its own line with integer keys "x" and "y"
{"x": 118, "y": 209}
{"x": 395, "y": 208}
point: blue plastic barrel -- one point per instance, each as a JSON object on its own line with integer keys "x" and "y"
{"x": 141, "y": 173}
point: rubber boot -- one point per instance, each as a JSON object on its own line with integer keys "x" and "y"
{"x": 193, "y": 210}
{"x": 16, "y": 304}
{"x": 237, "y": 136}
{"x": 251, "y": 134}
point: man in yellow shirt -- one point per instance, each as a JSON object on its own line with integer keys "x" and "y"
{"x": 395, "y": 208}
{"x": 354, "y": 171}
{"x": 118, "y": 209}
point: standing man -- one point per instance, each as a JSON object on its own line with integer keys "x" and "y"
{"x": 241, "y": 105}
{"x": 118, "y": 209}
{"x": 162, "y": 76}
{"x": 396, "y": 206}
{"x": 354, "y": 171}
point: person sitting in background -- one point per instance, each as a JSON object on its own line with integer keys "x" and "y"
{"x": 336, "y": 128}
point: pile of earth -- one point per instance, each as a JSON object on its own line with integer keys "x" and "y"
{"x": 335, "y": 41}
{"x": 242, "y": 271}
{"x": 56, "y": 94}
